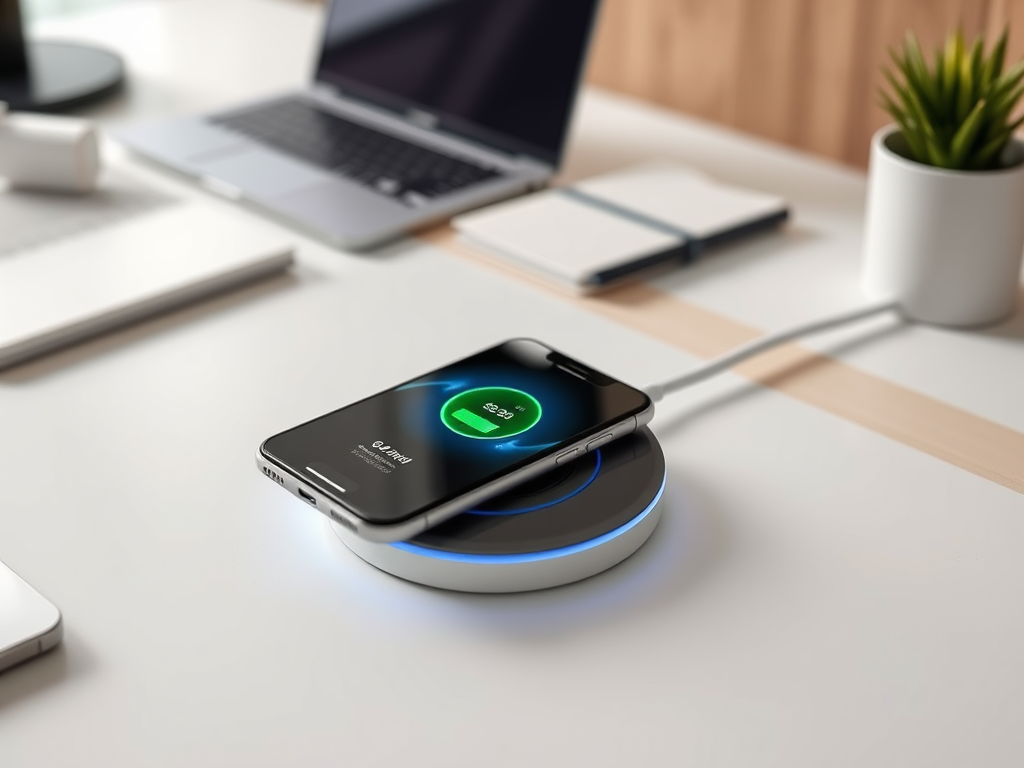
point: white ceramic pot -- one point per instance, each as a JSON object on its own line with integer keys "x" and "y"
{"x": 946, "y": 244}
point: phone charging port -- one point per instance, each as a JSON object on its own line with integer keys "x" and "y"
{"x": 308, "y": 497}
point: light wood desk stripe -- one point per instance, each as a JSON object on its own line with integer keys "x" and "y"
{"x": 951, "y": 434}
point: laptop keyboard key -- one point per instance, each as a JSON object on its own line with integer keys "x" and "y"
{"x": 383, "y": 163}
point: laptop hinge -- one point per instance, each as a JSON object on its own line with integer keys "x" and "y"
{"x": 532, "y": 163}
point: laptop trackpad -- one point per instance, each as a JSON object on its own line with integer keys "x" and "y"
{"x": 257, "y": 173}
{"x": 346, "y": 211}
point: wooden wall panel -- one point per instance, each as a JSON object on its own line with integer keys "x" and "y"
{"x": 772, "y": 103}
{"x": 828, "y": 74}
{"x": 801, "y": 72}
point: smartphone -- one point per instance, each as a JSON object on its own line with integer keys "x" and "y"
{"x": 408, "y": 458}
{"x": 29, "y": 623}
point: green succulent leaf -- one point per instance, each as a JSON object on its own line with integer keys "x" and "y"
{"x": 963, "y": 140}
{"x": 986, "y": 156}
{"x": 993, "y": 68}
{"x": 1002, "y": 109}
{"x": 915, "y": 145}
{"x": 970, "y": 71}
{"x": 890, "y": 106}
{"x": 916, "y": 72}
{"x": 951, "y": 85}
{"x": 959, "y": 113}
{"x": 1006, "y": 83}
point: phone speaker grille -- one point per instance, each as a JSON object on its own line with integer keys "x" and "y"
{"x": 273, "y": 475}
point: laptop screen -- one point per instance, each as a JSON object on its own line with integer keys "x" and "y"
{"x": 503, "y": 72}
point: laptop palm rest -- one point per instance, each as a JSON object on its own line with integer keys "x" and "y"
{"x": 262, "y": 175}
{"x": 222, "y": 157}
{"x": 182, "y": 140}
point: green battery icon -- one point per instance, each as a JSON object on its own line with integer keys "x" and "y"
{"x": 479, "y": 423}
{"x": 491, "y": 413}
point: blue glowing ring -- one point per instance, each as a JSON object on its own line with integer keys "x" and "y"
{"x": 546, "y": 504}
{"x": 532, "y": 557}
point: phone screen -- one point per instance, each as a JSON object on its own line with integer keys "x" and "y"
{"x": 406, "y": 450}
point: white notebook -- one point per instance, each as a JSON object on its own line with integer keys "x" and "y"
{"x": 611, "y": 227}
{"x": 73, "y": 267}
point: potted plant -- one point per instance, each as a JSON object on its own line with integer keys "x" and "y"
{"x": 945, "y": 216}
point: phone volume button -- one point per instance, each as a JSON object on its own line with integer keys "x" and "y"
{"x": 569, "y": 455}
{"x": 597, "y": 443}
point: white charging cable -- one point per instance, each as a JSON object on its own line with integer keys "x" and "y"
{"x": 713, "y": 367}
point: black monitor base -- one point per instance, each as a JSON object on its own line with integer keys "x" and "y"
{"x": 61, "y": 76}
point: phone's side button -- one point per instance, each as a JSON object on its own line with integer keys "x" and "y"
{"x": 342, "y": 519}
{"x": 598, "y": 442}
{"x": 569, "y": 455}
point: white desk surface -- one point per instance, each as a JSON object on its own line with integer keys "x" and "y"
{"x": 818, "y": 593}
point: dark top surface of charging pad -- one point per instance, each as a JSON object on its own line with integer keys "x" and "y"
{"x": 580, "y": 501}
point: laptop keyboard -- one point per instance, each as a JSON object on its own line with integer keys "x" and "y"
{"x": 388, "y": 165}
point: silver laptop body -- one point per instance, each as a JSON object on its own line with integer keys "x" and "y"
{"x": 477, "y": 98}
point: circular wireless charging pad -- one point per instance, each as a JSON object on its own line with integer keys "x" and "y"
{"x": 571, "y": 523}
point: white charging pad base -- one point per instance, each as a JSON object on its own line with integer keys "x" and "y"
{"x": 572, "y": 529}
{"x": 496, "y": 576}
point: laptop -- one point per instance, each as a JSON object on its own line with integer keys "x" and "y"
{"x": 419, "y": 109}
{"x": 74, "y": 266}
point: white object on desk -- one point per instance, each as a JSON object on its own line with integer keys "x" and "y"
{"x": 75, "y": 267}
{"x": 946, "y": 244}
{"x": 610, "y": 227}
{"x": 565, "y": 238}
{"x": 48, "y": 152}
{"x": 29, "y": 623}
{"x": 684, "y": 198}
